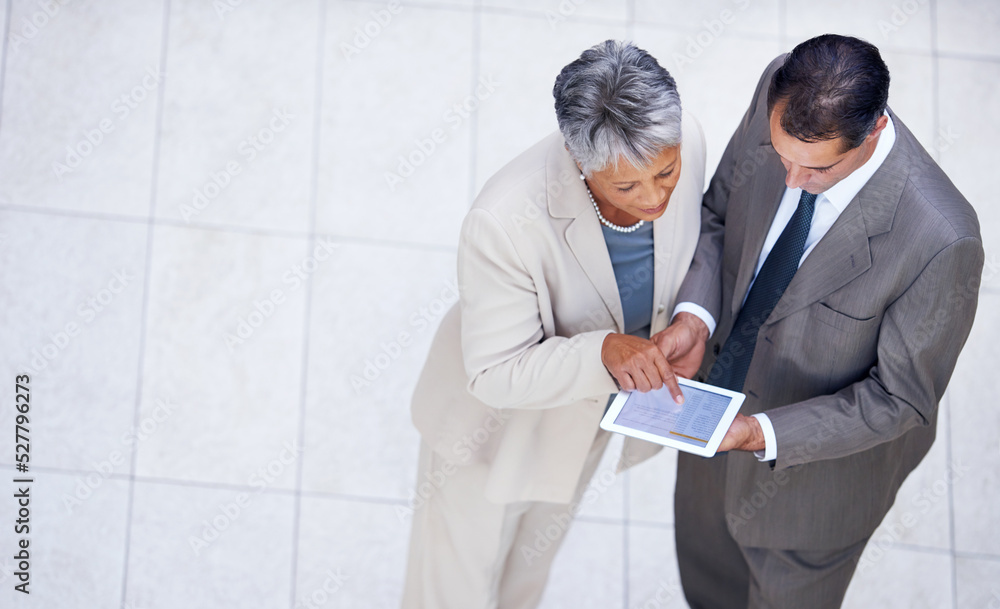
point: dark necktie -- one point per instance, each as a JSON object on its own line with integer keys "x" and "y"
{"x": 730, "y": 369}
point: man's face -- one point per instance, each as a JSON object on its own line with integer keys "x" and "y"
{"x": 817, "y": 166}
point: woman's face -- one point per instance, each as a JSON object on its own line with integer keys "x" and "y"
{"x": 627, "y": 195}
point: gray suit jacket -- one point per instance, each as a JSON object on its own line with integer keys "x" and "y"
{"x": 854, "y": 358}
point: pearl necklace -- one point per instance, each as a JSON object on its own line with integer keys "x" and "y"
{"x": 604, "y": 221}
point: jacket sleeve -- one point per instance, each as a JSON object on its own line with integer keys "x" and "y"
{"x": 919, "y": 341}
{"x": 703, "y": 283}
{"x": 509, "y": 361}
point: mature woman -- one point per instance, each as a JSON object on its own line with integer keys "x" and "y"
{"x": 568, "y": 262}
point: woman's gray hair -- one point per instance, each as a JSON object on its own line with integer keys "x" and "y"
{"x": 616, "y": 102}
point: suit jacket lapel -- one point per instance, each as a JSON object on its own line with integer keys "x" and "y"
{"x": 668, "y": 233}
{"x": 587, "y": 243}
{"x": 844, "y": 252}
{"x": 664, "y": 235}
{"x": 763, "y": 207}
{"x": 583, "y": 234}
{"x": 839, "y": 257}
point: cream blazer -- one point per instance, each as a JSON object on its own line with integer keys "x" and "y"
{"x": 514, "y": 381}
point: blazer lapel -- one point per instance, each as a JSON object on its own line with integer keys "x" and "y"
{"x": 664, "y": 236}
{"x": 840, "y": 256}
{"x": 668, "y": 234}
{"x": 583, "y": 235}
{"x": 586, "y": 240}
{"x": 844, "y": 252}
{"x": 770, "y": 187}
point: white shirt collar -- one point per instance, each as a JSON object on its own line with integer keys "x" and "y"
{"x": 844, "y": 191}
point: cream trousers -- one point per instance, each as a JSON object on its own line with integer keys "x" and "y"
{"x": 469, "y": 553}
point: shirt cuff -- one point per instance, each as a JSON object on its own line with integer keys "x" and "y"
{"x": 770, "y": 452}
{"x": 698, "y": 311}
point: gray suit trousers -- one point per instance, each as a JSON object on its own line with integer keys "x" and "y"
{"x": 718, "y": 573}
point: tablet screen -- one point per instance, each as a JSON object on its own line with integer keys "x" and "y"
{"x": 656, "y": 413}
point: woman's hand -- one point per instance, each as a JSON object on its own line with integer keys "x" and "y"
{"x": 638, "y": 364}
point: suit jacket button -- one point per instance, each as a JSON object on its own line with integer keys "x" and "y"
{"x": 661, "y": 309}
{"x": 715, "y": 348}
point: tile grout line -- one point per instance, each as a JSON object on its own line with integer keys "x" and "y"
{"x": 228, "y": 228}
{"x": 648, "y": 524}
{"x": 477, "y": 26}
{"x": 594, "y": 20}
{"x": 505, "y": 11}
{"x": 965, "y": 56}
{"x": 224, "y": 486}
{"x": 782, "y": 24}
{"x": 307, "y": 314}
{"x": 626, "y": 533}
{"x": 630, "y": 27}
{"x": 630, "y": 22}
{"x": 935, "y": 93}
{"x": 375, "y": 500}
{"x": 8, "y": 16}
{"x": 936, "y": 126}
{"x": 458, "y": 8}
{"x": 144, "y": 313}
{"x": 977, "y": 556}
{"x": 604, "y": 520}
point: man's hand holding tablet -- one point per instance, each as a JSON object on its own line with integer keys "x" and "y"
{"x": 696, "y": 426}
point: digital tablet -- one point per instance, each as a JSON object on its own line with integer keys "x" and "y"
{"x": 697, "y": 426}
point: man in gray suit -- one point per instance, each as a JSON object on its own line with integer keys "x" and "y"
{"x": 834, "y": 283}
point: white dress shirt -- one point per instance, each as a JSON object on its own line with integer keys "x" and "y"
{"x": 829, "y": 206}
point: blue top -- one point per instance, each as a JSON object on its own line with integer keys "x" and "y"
{"x": 632, "y": 259}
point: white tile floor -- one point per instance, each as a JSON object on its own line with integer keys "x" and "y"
{"x": 228, "y": 256}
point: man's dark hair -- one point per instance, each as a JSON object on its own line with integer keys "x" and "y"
{"x": 833, "y": 86}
